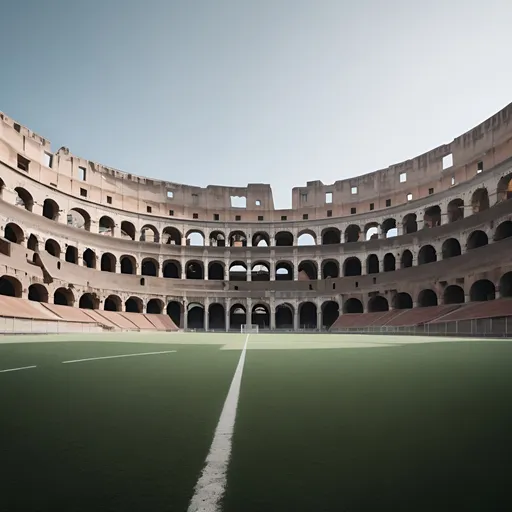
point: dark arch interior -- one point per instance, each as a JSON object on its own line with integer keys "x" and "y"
{"x": 389, "y": 262}
{"x": 506, "y": 285}
{"x": 260, "y": 316}
{"x": 410, "y": 224}
{"x": 37, "y": 293}
{"x": 307, "y": 315}
{"x": 331, "y": 236}
{"x": 86, "y": 301}
{"x": 427, "y": 254}
{"x": 453, "y": 294}
{"x": 216, "y": 317}
{"x": 353, "y": 306}
{"x": 13, "y": 233}
{"x": 108, "y": 262}
{"x": 195, "y": 317}
{"x": 171, "y": 270}
{"x": 89, "y": 258}
{"x": 307, "y": 269}
{"x": 112, "y": 303}
{"x": 194, "y": 270}
{"x": 132, "y": 305}
{"x": 455, "y": 210}
{"x": 352, "y": 267}
{"x": 10, "y": 286}
{"x": 149, "y": 268}
{"x": 154, "y": 307}
{"x": 402, "y": 301}
{"x": 406, "y": 259}
{"x": 330, "y": 269}
{"x": 432, "y": 217}
{"x": 50, "y": 209}
{"x": 174, "y": 311}
{"x": 504, "y": 230}
{"x": 378, "y": 303}
{"x": 63, "y": 297}
{"x": 480, "y": 200}
{"x": 127, "y": 266}
{"x": 215, "y": 271}
{"x": 284, "y": 239}
{"x": 427, "y": 298}
{"x": 127, "y": 229}
{"x": 284, "y": 317}
{"x": 352, "y": 233}
{"x": 32, "y": 243}
{"x": 71, "y": 254}
{"x": 330, "y": 313}
{"x": 52, "y": 247}
{"x": 451, "y": 248}
{"x": 482, "y": 290}
{"x": 237, "y": 316}
{"x": 477, "y": 239}
{"x": 372, "y": 264}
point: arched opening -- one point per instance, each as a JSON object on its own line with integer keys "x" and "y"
{"x": 52, "y": 247}
{"x": 194, "y": 270}
{"x": 149, "y": 233}
{"x": 371, "y": 231}
{"x": 284, "y": 316}
{"x": 389, "y": 228}
{"x": 352, "y": 267}
{"x": 306, "y": 237}
{"x": 352, "y": 233}
{"x": 37, "y": 293}
{"x": 307, "y": 315}
{"x": 79, "y": 218}
{"x": 51, "y": 209}
{"x": 237, "y": 316}
{"x": 331, "y": 236}
{"x": 33, "y": 243}
{"x": 195, "y": 238}
{"x": 451, "y": 248}
{"x": 216, "y": 271}
{"x": 261, "y": 316}
{"x": 330, "y": 313}
{"x": 195, "y": 316}
{"x": 432, "y": 217}
{"x": 389, "y": 262}
{"x": 402, "y": 300}
{"x": 216, "y": 317}
{"x": 24, "y": 199}
{"x": 506, "y": 285}
{"x": 426, "y": 255}
{"x": 260, "y": 239}
{"x": 480, "y": 200}
{"x": 88, "y": 301}
{"x": 63, "y": 297}
{"x": 504, "y": 230}
{"x": 410, "y": 224}
{"x": 353, "y": 306}
{"x": 2, "y": 186}
{"x": 127, "y": 230}
{"x": 89, "y": 258}
{"x": 237, "y": 239}
{"x": 238, "y": 271}
{"x": 378, "y": 304}
{"x": 217, "y": 239}
{"x": 128, "y": 265}
{"x": 455, "y": 210}
{"x": 504, "y": 189}
{"x": 112, "y": 303}
{"x": 406, "y": 259}
{"x": 149, "y": 267}
{"x": 284, "y": 271}
{"x": 14, "y": 233}
{"x": 133, "y": 305}
{"x": 172, "y": 269}
{"x": 307, "y": 271}
{"x": 10, "y": 286}
{"x": 260, "y": 271}
{"x": 482, "y": 290}
{"x": 372, "y": 264}
{"x": 108, "y": 262}
{"x": 71, "y": 254}
{"x": 330, "y": 269}
{"x": 106, "y": 226}
{"x": 154, "y": 307}
{"x": 453, "y": 294}
{"x": 284, "y": 239}
{"x": 427, "y": 298}
{"x": 174, "y": 310}
{"x": 476, "y": 239}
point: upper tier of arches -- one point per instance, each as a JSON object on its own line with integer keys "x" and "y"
{"x": 475, "y": 152}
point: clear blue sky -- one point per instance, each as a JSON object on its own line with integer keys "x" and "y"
{"x": 232, "y": 92}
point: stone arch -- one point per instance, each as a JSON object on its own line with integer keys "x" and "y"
{"x": 506, "y": 285}
{"x": 106, "y": 226}
{"x": 353, "y": 306}
{"x": 504, "y": 188}
{"x": 52, "y": 247}
{"x": 504, "y": 230}
{"x": 14, "y": 233}
{"x": 388, "y": 228}
{"x": 477, "y": 238}
{"x": 432, "y": 217}
{"x": 453, "y": 294}
{"x": 284, "y": 316}
{"x": 33, "y": 243}
{"x": 330, "y": 313}
{"x": 237, "y": 239}
{"x": 480, "y": 200}
{"x": 410, "y": 224}
{"x": 238, "y": 271}
{"x": 171, "y": 269}
{"x": 154, "y": 307}
{"x": 216, "y": 316}
{"x": 51, "y": 209}
{"x": 89, "y": 258}
{"x": 455, "y": 210}
{"x": 261, "y": 239}
{"x": 174, "y": 311}
{"x": 127, "y": 230}
{"x": 260, "y": 271}
{"x": 427, "y": 298}
{"x": 237, "y": 316}
{"x": 482, "y": 290}
{"x": 284, "y": 271}
{"x": 148, "y": 233}
{"x": 128, "y": 264}
{"x": 308, "y": 271}
{"x": 108, "y": 262}
{"x": 88, "y": 301}
{"x": 402, "y": 300}
{"x": 195, "y": 238}
{"x": 352, "y": 267}
{"x": 63, "y": 297}
{"x": 216, "y": 271}
{"x": 217, "y": 239}
{"x": 149, "y": 267}
{"x": 352, "y": 233}
{"x": 10, "y": 286}
{"x": 24, "y": 199}
{"x": 71, "y": 255}
{"x": 133, "y": 305}
{"x": 330, "y": 269}
{"x": 389, "y": 262}
{"x": 308, "y": 315}
{"x": 79, "y": 218}
{"x": 331, "y": 236}
{"x": 371, "y": 231}
{"x": 260, "y": 315}
{"x": 406, "y": 259}
{"x": 372, "y": 264}
{"x": 284, "y": 239}
{"x": 113, "y": 303}
{"x": 194, "y": 269}
{"x": 377, "y": 303}
{"x": 427, "y": 254}
{"x": 37, "y": 293}
{"x": 195, "y": 315}
{"x": 450, "y": 248}
{"x": 306, "y": 237}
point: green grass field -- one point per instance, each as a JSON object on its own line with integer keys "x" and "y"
{"x": 325, "y": 423}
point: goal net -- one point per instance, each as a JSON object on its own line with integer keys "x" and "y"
{"x": 249, "y": 328}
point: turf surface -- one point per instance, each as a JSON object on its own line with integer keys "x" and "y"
{"x": 420, "y": 427}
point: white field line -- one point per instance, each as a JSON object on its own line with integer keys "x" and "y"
{"x": 121, "y": 355}
{"x": 16, "y": 369}
{"x": 212, "y": 483}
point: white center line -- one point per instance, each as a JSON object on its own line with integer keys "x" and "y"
{"x": 16, "y": 369}
{"x": 212, "y": 483}
{"x": 121, "y": 355}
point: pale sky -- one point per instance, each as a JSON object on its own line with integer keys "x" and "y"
{"x": 231, "y": 92}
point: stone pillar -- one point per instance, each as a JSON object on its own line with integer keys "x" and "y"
{"x": 249, "y": 270}
{"x": 296, "y": 318}
{"x": 272, "y": 270}
{"x": 185, "y": 314}
{"x": 248, "y": 312}
{"x": 272, "y": 316}
{"x": 206, "y": 320}
{"x": 226, "y": 312}
{"x": 319, "y": 317}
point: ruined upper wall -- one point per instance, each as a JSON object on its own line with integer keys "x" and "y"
{"x": 477, "y": 150}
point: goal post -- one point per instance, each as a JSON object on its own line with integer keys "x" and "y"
{"x": 249, "y": 328}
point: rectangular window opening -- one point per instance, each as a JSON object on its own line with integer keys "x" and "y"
{"x": 170, "y": 194}
{"x": 305, "y": 216}
{"x": 409, "y": 197}
{"x": 328, "y": 197}
{"x": 149, "y": 209}
{"x": 260, "y": 217}
{"x": 403, "y": 177}
{"x": 329, "y": 213}
{"x": 479, "y": 167}
{"x": 48, "y": 159}
{"x": 83, "y": 192}
{"x": 23, "y": 163}
{"x": 238, "y": 202}
{"x": 82, "y": 174}
{"x": 195, "y": 216}
{"x": 353, "y": 190}
{"x": 388, "y": 202}
{"x": 216, "y": 216}
{"x": 353, "y": 211}
{"x": 453, "y": 180}
{"x": 171, "y": 213}
{"x": 284, "y": 217}
{"x": 303, "y": 197}
{"x": 238, "y": 217}
{"x": 372, "y": 206}
{"x": 447, "y": 161}
{"x": 109, "y": 199}
{"x": 430, "y": 191}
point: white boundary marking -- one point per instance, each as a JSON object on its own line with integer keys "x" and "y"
{"x": 16, "y": 369}
{"x": 212, "y": 482}
{"x": 121, "y": 355}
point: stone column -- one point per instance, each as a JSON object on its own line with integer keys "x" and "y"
{"x": 248, "y": 312}
{"x": 226, "y": 312}
{"x": 319, "y": 317}
{"x": 185, "y": 314}
{"x": 206, "y": 320}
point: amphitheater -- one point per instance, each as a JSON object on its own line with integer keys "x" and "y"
{"x": 422, "y": 246}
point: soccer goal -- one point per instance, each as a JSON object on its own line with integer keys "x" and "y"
{"x": 249, "y": 328}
